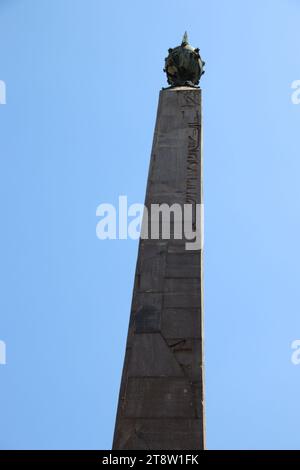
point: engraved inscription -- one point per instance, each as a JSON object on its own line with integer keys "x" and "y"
{"x": 192, "y": 176}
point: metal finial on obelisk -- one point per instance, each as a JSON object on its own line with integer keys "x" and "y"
{"x": 184, "y": 66}
{"x": 185, "y": 39}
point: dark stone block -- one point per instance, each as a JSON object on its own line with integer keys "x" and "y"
{"x": 147, "y": 320}
{"x": 183, "y": 265}
{"x": 159, "y": 397}
{"x": 160, "y": 434}
{"x": 188, "y": 354}
{"x": 152, "y": 357}
{"x": 181, "y": 323}
{"x": 182, "y": 300}
{"x": 187, "y": 286}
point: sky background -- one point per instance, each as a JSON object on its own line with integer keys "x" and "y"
{"x": 83, "y": 78}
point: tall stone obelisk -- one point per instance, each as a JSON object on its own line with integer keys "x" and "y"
{"x": 161, "y": 401}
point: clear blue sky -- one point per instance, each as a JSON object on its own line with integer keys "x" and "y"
{"x": 83, "y": 78}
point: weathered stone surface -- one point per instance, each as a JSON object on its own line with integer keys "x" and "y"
{"x": 183, "y": 265}
{"x": 159, "y": 397}
{"x": 151, "y": 356}
{"x": 151, "y": 267}
{"x": 160, "y": 434}
{"x": 187, "y": 300}
{"x": 186, "y": 285}
{"x": 147, "y": 320}
{"x": 188, "y": 355}
{"x": 181, "y": 323}
{"x": 142, "y": 299}
{"x": 161, "y": 393}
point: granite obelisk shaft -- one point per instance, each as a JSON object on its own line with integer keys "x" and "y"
{"x": 161, "y": 401}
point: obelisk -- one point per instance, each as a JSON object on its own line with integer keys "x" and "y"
{"x": 161, "y": 401}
